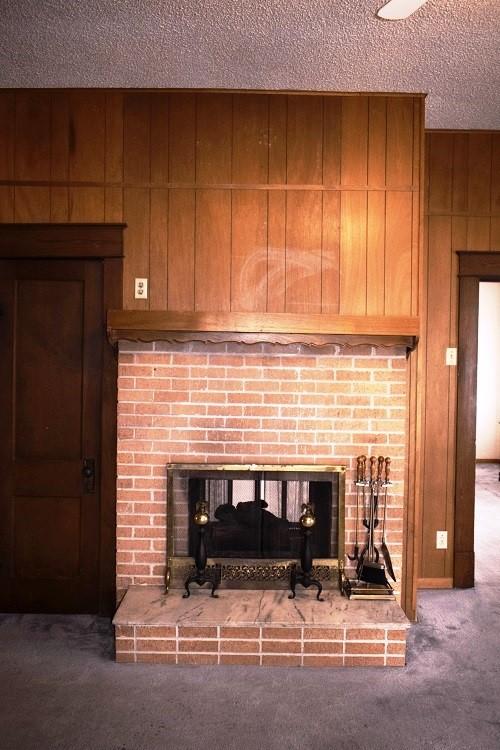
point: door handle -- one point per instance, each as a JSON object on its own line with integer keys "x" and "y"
{"x": 88, "y": 473}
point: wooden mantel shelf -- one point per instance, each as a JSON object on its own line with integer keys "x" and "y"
{"x": 277, "y": 328}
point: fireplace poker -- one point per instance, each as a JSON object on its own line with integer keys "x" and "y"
{"x": 360, "y": 482}
{"x": 385, "y": 551}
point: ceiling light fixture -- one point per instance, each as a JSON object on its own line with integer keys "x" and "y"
{"x": 395, "y": 10}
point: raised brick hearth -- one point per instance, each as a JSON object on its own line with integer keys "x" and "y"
{"x": 258, "y": 628}
{"x": 266, "y": 404}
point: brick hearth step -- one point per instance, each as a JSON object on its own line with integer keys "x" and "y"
{"x": 261, "y": 628}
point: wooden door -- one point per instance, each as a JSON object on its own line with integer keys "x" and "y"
{"x": 474, "y": 267}
{"x": 51, "y": 332}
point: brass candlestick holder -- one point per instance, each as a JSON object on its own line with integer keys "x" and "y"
{"x": 201, "y": 575}
{"x": 304, "y": 576}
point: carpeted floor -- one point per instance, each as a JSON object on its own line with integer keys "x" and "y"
{"x": 59, "y": 687}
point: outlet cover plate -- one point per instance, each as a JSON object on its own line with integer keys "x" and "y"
{"x": 141, "y": 289}
{"x": 441, "y": 540}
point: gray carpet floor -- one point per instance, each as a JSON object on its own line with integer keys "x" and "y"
{"x": 60, "y": 689}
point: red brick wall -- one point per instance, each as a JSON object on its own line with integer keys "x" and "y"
{"x": 249, "y": 404}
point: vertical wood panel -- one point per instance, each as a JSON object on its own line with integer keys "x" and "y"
{"x": 440, "y": 172}
{"x": 479, "y": 173}
{"x": 180, "y": 272}
{"x": 460, "y": 191}
{"x": 398, "y": 253}
{"x": 330, "y": 258}
{"x": 59, "y": 137}
{"x": 87, "y": 124}
{"x": 7, "y": 121}
{"x": 213, "y": 250}
{"x": 377, "y": 118}
{"x": 277, "y": 139}
{"x": 495, "y": 173}
{"x": 182, "y": 137}
{"x": 249, "y": 251}
{"x": 136, "y": 139}
{"x": 276, "y": 265}
{"x": 478, "y": 233}
{"x": 86, "y": 204}
{"x": 6, "y": 203}
{"x": 59, "y": 204}
{"x": 32, "y": 150}
{"x": 353, "y": 252}
{"x": 399, "y": 158}
{"x": 435, "y": 445}
{"x": 136, "y": 209}
{"x": 495, "y": 234}
{"x": 375, "y": 289}
{"x": 250, "y": 138}
{"x": 113, "y": 205}
{"x": 354, "y": 151}
{"x": 303, "y": 251}
{"x": 214, "y": 126}
{"x": 32, "y": 204}
{"x": 332, "y": 139}
{"x": 159, "y": 138}
{"x": 305, "y": 140}
{"x": 114, "y": 137}
{"x": 158, "y": 253}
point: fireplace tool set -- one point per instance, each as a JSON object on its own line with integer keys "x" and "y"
{"x": 371, "y": 581}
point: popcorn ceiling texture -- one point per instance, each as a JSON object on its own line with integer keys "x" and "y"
{"x": 448, "y": 49}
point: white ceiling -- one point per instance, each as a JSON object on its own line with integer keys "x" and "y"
{"x": 448, "y": 49}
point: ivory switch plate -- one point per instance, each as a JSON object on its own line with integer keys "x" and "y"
{"x": 451, "y": 356}
{"x": 141, "y": 289}
{"x": 441, "y": 540}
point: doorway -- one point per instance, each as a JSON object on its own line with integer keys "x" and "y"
{"x": 58, "y": 423}
{"x": 474, "y": 268}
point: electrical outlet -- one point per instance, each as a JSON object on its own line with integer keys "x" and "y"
{"x": 141, "y": 289}
{"x": 441, "y": 540}
{"x": 451, "y": 356}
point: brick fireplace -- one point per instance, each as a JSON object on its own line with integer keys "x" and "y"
{"x": 238, "y": 403}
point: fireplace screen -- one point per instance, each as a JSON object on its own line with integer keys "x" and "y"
{"x": 253, "y": 530}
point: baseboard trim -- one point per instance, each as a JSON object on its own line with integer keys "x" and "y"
{"x": 488, "y": 460}
{"x": 434, "y": 583}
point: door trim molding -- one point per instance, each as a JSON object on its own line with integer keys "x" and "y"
{"x": 474, "y": 267}
{"x": 61, "y": 241}
{"x": 90, "y": 242}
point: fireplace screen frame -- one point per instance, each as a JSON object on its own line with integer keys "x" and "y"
{"x": 256, "y": 573}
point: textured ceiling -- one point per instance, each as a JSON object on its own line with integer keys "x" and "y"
{"x": 448, "y": 49}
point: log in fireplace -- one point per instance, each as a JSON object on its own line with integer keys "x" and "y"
{"x": 253, "y": 532}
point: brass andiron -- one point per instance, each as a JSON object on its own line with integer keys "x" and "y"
{"x": 304, "y": 577}
{"x": 201, "y": 575}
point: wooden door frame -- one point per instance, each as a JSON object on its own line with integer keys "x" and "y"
{"x": 101, "y": 242}
{"x": 474, "y": 267}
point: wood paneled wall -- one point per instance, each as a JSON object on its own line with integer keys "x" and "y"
{"x": 233, "y": 201}
{"x": 462, "y": 213}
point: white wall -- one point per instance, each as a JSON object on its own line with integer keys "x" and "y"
{"x": 488, "y": 373}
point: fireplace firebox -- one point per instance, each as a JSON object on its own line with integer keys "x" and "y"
{"x": 253, "y": 534}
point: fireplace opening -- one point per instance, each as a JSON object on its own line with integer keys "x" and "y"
{"x": 253, "y": 531}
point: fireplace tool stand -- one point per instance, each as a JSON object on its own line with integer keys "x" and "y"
{"x": 304, "y": 575}
{"x": 371, "y": 581}
{"x": 201, "y": 575}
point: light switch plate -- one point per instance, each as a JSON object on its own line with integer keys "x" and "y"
{"x": 441, "y": 540}
{"x": 451, "y": 356}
